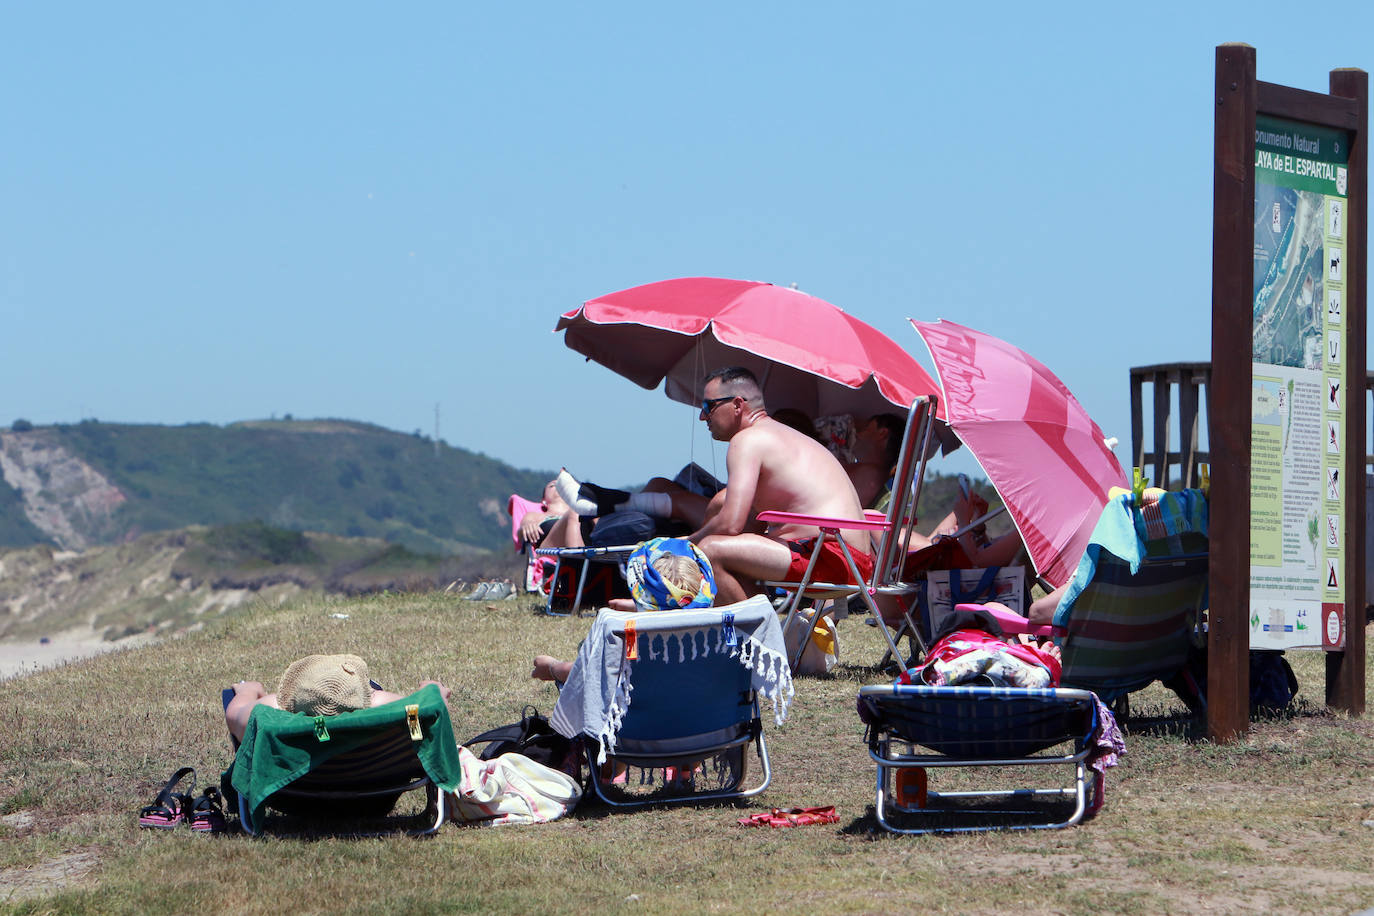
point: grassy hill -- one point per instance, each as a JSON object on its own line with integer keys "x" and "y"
{"x": 173, "y": 581}
{"x": 331, "y": 476}
{"x": 337, "y": 477}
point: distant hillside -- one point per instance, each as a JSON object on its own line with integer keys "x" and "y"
{"x": 94, "y": 483}
{"x": 172, "y": 580}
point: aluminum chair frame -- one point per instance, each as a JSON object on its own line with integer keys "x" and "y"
{"x": 894, "y": 749}
{"x": 739, "y": 725}
{"x": 893, "y": 527}
{"x": 587, "y": 556}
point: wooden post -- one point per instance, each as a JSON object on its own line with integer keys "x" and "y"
{"x": 1163, "y": 400}
{"x": 1345, "y": 670}
{"x": 1187, "y": 426}
{"x": 1137, "y": 423}
{"x": 1228, "y": 641}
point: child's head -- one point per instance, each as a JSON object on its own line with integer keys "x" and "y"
{"x": 670, "y": 573}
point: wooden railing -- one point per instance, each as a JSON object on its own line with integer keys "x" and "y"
{"x": 1167, "y": 463}
{"x": 1193, "y": 383}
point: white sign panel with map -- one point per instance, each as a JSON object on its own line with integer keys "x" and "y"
{"x": 1297, "y": 497}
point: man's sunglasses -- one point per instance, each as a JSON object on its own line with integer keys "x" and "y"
{"x": 710, "y": 404}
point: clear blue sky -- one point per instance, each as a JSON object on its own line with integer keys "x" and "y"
{"x": 216, "y": 212}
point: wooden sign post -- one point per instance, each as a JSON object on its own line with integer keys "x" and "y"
{"x": 1287, "y": 418}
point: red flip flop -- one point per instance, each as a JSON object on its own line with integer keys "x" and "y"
{"x": 791, "y": 817}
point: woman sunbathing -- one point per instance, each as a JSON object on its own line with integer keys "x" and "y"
{"x": 317, "y": 685}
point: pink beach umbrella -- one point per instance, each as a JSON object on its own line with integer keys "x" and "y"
{"x": 1038, "y": 446}
{"x": 808, "y": 354}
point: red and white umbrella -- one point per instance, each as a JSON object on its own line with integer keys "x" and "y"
{"x": 1038, "y": 446}
{"x": 808, "y": 354}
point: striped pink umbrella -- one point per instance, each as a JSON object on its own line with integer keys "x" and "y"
{"x": 1038, "y": 446}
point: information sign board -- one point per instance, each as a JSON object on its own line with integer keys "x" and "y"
{"x": 1298, "y": 402}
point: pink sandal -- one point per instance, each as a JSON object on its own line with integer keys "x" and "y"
{"x": 169, "y": 808}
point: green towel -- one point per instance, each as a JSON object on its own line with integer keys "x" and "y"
{"x": 280, "y": 747}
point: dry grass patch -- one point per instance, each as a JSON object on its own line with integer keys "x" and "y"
{"x": 1271, "y": 822}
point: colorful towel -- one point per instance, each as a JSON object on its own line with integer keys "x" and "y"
{"x": 1125, "y": 531}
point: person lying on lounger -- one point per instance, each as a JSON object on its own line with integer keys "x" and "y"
{"x": 317, "y": 685}
{"x": 554, "y": 524}
{"x": 692, "y": 497}
{"x": 665, "y": 574}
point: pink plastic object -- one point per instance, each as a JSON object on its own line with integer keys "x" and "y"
{"x": 518, "y": 507}
{"x": 870, "y": 521}
{"x": 1012, "y": 623}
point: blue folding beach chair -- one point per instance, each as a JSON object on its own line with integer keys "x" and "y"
{"x": 669, "y": 702}
{"x": 916, "y": 729}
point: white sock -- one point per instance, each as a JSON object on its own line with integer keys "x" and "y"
{"x": 656, "y": 504}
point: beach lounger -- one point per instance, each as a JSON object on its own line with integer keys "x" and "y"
{"x": 353, "y": 765}
{"x": 579, "y": 572}
{"x": 921, "y": 731}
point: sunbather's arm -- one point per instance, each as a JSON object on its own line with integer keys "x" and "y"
{"x": 386, "y": 696}
{"x": 247, "y": 694}
{"x": 530, "y": 530}
{"x": 743, "y": 462}
{"x": 1042, "y": 609}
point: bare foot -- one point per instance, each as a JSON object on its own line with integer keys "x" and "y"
{"x": 548, "y": 668}
{"x": 622, "y": 604}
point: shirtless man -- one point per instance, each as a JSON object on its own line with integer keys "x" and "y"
{"x": 771, "y": 466}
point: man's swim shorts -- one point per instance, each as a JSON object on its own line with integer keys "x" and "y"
{"x": 830, "y": 565}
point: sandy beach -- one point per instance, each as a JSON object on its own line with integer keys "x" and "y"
{"x": 21, "y": 657}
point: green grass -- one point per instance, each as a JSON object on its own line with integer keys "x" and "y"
{"x": 1270, "y": 823}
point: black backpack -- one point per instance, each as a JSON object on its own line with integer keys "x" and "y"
{"x": 535, "y": 738}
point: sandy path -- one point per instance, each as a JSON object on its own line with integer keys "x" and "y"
{"x": 21, "y": 657}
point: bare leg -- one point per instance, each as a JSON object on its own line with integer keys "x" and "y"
{"x": 740, "y": 560}
{"x": 948, "y": 525}
{"x": 1000, "y": 552}
{"x": 688, "y": 507}
{"x": 247, "y": 694}
{"x": 566, "y": 532}
{"x": 548, "y": 668}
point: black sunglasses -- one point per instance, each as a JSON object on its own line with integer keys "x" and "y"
{"x": 710, "y": 404}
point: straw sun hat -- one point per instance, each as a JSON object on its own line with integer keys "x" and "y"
{"x": 324, "y": 685}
